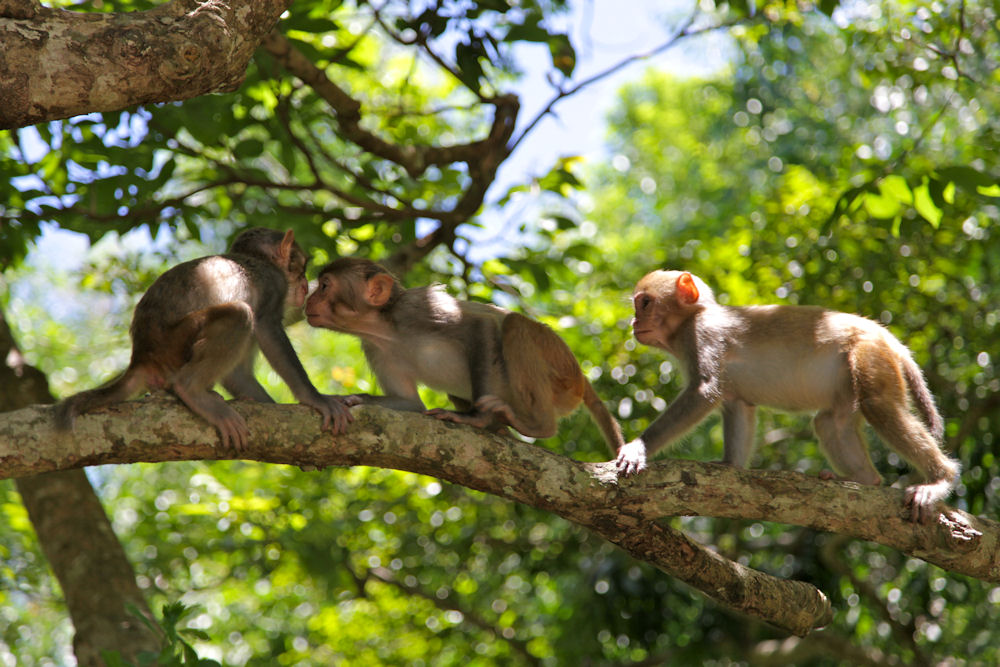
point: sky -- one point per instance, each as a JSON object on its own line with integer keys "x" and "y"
{"x": 603, "y": 34}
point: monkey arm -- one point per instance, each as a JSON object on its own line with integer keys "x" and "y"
{"x": 281, "y": 355}
{"x": 692, "y": 406}
{"x": 278, "y": 351}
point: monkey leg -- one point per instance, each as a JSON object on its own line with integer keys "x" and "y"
{"x": 911, "y": 439}
{"x": 538, "y": 423}
{"x": 544, "y": 380}
{"x": 222, "y": 338}
{"x": 884, "y": 401}
{"x": 840, "y": 438}
{"x": 738, "y": 419}
{"x": 241, "y": 383}
{"x": 484, "y": 420}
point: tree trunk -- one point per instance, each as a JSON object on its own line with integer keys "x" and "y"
{"x": 97, "y": 579}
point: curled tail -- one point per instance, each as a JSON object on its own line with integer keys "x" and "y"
{"x": 922, "y": 398}
{"x": 602, "y": 417}
{"x": 134, "y": 379}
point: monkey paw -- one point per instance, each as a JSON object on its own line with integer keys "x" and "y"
{"x": 334, "y": 411}
{"x": 631, "y": 458}
{"x": 920, "y": 499}
{"x": 234, "y": 433}
{"x": 476, "y": 419}
{"x": 491, "y": 404}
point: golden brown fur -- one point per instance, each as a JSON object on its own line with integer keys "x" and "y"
{"x": 842, "y": 367}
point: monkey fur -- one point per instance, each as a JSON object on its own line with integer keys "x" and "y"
{"x": 842, "y": 367}
{"x": 202, "y": 321}
{"x": 498, "y": 368}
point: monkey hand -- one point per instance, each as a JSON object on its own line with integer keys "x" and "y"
{"x": 921, "y": 501}
{"x": 631, "y": 458}
{"x": 334, "y": 410}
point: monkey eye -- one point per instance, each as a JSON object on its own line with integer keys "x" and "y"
{"x": 642, "y": 302}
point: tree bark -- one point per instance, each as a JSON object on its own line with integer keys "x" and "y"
{"x": 97, "y": 579}
{"x": 56, "y": 63}
{"x": 624, "y": 511}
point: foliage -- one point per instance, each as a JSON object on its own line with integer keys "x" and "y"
{"x": 177, "y": 651}
{"x": 846, "y": 159}
{"x": 795, "y": 180}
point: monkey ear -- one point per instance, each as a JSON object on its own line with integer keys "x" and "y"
{"x": 283, "y": 251}
{"x": 287, "y": 241}
{"x": 687, "y": 290}
{"x": 379, "y": 289}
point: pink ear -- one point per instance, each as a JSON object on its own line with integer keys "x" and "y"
{"x": 379, "y": 289}
{"x": 687, "y": 290}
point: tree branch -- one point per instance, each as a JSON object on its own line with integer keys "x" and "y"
{"x": 626, "y": 512}
{"x": 161, "y": 429}
{"x": 58, "y": 63}
{"x": 413, "y": 158}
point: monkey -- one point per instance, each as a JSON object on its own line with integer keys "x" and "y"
{"x": 842, "y": 367}
{"x": 498, "y": 368}
{"x": 202, "y": 321}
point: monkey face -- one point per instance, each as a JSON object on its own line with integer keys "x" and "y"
{"x": 662, "y": 301}
{"x": 297, "y": 290}
{"x": 329, "y": 307}
{"x": 646, "y": 322}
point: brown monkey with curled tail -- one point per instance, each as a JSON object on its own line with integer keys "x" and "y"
{"x": 499, "y": 368}
{"x": 843, "y": 367}
{"x": 202, "y": 321}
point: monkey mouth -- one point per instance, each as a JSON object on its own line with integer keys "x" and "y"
{"x": 644, "y": 336}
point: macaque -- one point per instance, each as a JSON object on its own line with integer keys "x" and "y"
{"x": 840, "y": 366}
{"x": 498, "y": 368}
{"x": 202, "y": 321}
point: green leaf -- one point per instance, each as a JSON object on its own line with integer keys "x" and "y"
{"x": 924, "y": 204}
{"x": 529, "y": 32}
{"x": 248, "y": 148}
{"x": 827, "y": 6}
{"x": 469, "y": 69}
{"x": 967, "y": 177}
{"x": 563, "y": 54}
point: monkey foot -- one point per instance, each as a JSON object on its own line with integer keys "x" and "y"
{"x": 476, "y": 419}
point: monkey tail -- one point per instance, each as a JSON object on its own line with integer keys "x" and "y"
{"x": 922, "y": 397}
{"x": 134, "y": 379}
{"x": 609, "y": 426}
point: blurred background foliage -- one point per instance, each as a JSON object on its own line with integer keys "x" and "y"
{"x": 844, "y": 156}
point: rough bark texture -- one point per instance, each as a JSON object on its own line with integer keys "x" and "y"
{"x": 74, "y": 532}
{"x": 626, "y": 512}
{"x": 56, "y": 63}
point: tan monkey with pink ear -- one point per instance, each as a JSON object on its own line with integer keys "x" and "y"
{"x": 842, "y": 367}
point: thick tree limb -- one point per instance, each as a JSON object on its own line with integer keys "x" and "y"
{"x": 161, "y": 429}
{"x": 56, "y": 63}
{"x": 625, "y": 512}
